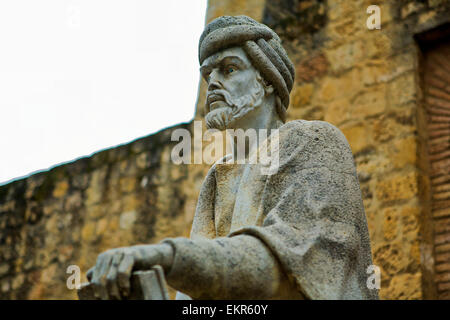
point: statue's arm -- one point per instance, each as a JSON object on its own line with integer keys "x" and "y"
{"x": 239, "y": 267}
{"x": 202, "y": 267}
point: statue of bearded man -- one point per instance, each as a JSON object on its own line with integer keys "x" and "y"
{"x": 297, "y": 233}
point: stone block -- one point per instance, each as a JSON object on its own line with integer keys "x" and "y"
{"x": 392, "y": 257}
{"x": 127, "y": 184}
{"x": 399, "y": 187}
{"x": 369, "y": 103}
{"x": 345, "y": 56}
{"x": 410, "y": 222}
{"x": 390, "y": 223}
{"x": 411, "y": 8}
{"x": 402, "y": 90}
{"x": 312, "y": 68}
{"x": 372, "y": 71}
{"x": 88, "y": 231}
{"x": 359, "y": 137}
{"x": 61, "y": 188}
{"x": 127, "y": 219}
{"x": 404, "y": 287}
{"x": 96, "y": 189}
{"x": 301, "y": 95}
{"x": 337, "y": 111}
{"x": 402, "y": 152}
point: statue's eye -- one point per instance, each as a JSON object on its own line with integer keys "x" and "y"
{"x": 230, "y": 69}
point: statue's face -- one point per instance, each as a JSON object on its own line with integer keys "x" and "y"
{"x": 235, "y": 88}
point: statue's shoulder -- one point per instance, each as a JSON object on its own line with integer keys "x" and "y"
{"x": 314, "y": 129}
{"x": 315, "y": 143}
{"x": 311, "y": 126}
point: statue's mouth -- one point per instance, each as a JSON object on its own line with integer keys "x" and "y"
{"x": 213, "y": 97}
{"x": 215, "y": 100}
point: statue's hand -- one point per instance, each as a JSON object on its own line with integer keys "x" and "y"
{"x": 110, "y": 277}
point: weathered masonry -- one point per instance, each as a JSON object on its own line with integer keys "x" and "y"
{"x": 436, "y": 92}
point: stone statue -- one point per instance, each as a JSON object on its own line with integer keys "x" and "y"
{"x": 299, "y": 233}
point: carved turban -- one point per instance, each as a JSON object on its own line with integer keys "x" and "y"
{"x": 261, "y": 44}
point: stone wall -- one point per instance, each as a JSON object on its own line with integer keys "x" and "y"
{"x": 366, "y": 82}
{"x": 127, "y": 195}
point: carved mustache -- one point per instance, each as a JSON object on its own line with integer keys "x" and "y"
{"x": 219, "y": 95}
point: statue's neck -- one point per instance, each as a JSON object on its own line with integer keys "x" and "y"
{"x": 263, "y": 117}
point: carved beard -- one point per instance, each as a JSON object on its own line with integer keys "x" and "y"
{"x": 234, "y": 108}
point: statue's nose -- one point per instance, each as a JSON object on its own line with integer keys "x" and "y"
{"x": 214, "y": 85}
{"x": 214, "y": 81}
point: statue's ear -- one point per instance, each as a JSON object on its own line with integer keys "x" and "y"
{"x": 268, "y": 89}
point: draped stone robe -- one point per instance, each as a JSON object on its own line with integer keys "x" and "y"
{"x": 298, "y": 233}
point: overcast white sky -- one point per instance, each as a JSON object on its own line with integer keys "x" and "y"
{"x": 77, "y": 76}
